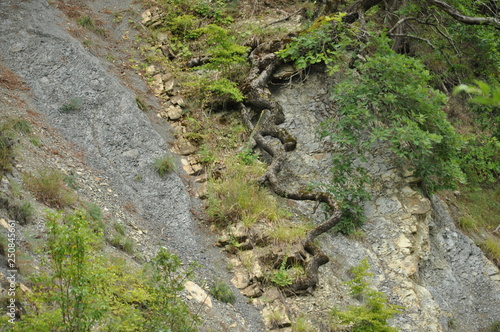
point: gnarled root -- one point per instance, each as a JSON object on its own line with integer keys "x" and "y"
{"x": 264, "y": 63}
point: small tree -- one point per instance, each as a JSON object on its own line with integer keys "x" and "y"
{"x": 374, "y": 312}
{"x": 166, "y": 310}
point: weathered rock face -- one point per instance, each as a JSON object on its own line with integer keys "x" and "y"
{"x": 419, "y": 258}
{"x": 117, "y": 139}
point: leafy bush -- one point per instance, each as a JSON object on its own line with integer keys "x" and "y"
{"x": 70, "y": 298}
{"x": 282, "y": 277}
{"x": 23, "y": 212}
{"x": 167, "y": 311}
{"x": 123, "y": 242}
{"x": 222, "y": 292}
{"x": 373, "y": 313}
{"x": 164, "y": 165}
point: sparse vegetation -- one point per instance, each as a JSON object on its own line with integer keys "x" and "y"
{"x": 48, "y": 187}
{"x": 223, "y": 292}
{"x": 86, "y": 22}
{"x": 6, "y": 153}
{"x": 164, "y": 165}
{"x": 302, "y": 325}
{"x": 22, "y": 211}
{"x": 237, "y": 197}
{"x": 123, "y": 242}
{"x": 73, "y": 105}
{"x": 374, "y": 311}
{"x": 282, "y": 277}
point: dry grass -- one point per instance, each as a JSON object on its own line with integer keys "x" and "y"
{"x": 237, "y": 197}
{"x": 10, "y": 80}
{"x": 287, "y": 232}
{"x": 49, "y": 187}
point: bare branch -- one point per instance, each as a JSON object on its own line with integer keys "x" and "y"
{"x": 401, "y": 21}
{"x": 471, "y": 20}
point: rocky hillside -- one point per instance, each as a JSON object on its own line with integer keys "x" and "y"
{"x": 93, "y": 98}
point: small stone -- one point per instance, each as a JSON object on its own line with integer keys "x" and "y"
{"x": 403, "y": 242}
{"x": 240, "y": 279}
{"x": 146, "y": 17}
{"x": 252, "y": 291}
{"x": 198, "y": 293}
{"x": 151, "y": 70}
{"x": 177, "y": 100}
{"x": 4, "y": 223}
{"x": 174, "y": 112}
{"x": 169, "y": 85}
{"x": 184, "y": 148}
{"x": 134, "y": 153}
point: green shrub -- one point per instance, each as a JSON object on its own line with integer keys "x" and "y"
{"x": 166, "y": 309}
{"x": 302, "y": 325}
{"x": 119, "y": 228}
{"x": 23, "y": 212}
{"x": 491, "y": 247}
{"x": 373, "y": 313}
{"x": 282, "y": 276}
{"x": 164, "y": 165}
{"x": 124, "y": 243}
{"x": 22, "y": 126}
{"x": 93, "y": 214}
{"x": 223, "y": 292}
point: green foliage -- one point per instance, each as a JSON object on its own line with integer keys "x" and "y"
{"x": 225, "y": 89}
{"x": 302, "y": 325}
{"x": 320, "y": 43}
{"x": 374, "y": 312}
{"x": 247, "y": 157}
{"x": 86, "y": 22}
{"x": 485, "y": 94}
{"x": 387, "y": 101}
{"x": 167, "y": 311}
{"x": 480, "y": 159}
{"x": 487, "y": 105}
{"x": 22, "y": 211}
{"x": 491, "y": 247}
{"x": 123, "y": 242}
{"x": 212, "y": 11}
{"x": 223, "y": 292}
{"x": 164, "y": 165}
{"x": 21, "y": 126}
{"x": 282, "y": 277}
{"x": 288, "y": 232}
{"x": 71, "y": 297}
{"x": 223, "y": 50}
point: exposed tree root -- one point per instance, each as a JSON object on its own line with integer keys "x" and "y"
{"x": 264, "y": 63}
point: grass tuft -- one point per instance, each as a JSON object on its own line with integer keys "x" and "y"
{"x": 236, "y": 196}
{"x": 164, "y": 165}
{"x": 48, "y": 187}
{"x": 222, "y": 292}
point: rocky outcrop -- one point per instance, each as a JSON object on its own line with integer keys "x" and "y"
{"x": 418, "y": 256}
